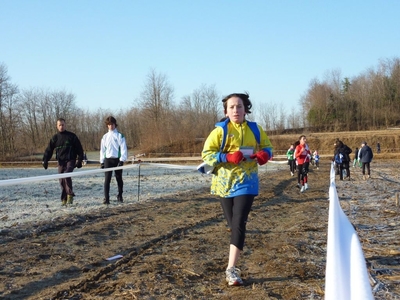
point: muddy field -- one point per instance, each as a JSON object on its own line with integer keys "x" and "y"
{"x": 176, "y": 247}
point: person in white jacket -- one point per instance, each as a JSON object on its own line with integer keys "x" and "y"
{"x": 113, "y": 153}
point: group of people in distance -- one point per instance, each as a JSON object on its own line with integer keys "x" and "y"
{"x": 362, "y": 158}
{"x": 299, "y": 158}
{"x": 70, "y": 155}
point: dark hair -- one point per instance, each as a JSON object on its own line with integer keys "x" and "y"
{"x": 61, "y": 120}
{"x": 245, "y": 98}
{"x": 111, "y": 120}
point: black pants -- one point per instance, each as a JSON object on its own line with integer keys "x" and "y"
{"x": 236, "y": 211}
{"x": 66, "y": 183}
{"x": 292, "y": 165}
{"x": 111, "y": 163}
{"x": 366, "y": 164}
{"x": 344, "y": 166}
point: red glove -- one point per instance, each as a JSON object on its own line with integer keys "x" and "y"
{"x": 235, "y": 157}
{"x": 261, "y": 156}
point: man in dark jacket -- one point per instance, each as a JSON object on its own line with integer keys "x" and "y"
{"x": 365, "y": 155}
{"x": 342, "y": 158}
{"x": 68, "y": 150}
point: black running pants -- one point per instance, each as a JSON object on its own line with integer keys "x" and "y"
{"x": 236, "y": 211}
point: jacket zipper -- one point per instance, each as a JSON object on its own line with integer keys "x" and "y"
{"x": 241, "y": 129}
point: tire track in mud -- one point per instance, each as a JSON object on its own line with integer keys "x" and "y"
{"x": 94, "y": 227}
{"x": 130, "y": 256}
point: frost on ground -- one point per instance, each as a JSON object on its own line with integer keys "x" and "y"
{"x": 41, "y": 201}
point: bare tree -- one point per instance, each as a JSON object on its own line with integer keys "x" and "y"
{"x": 156, "y": 97}
{"x": 268, "y": 113}
{"x": 264, "y": 117}
{"x": 293, "y": 119}
{"x": 282, "y": 118}
{"x": 8, "y": 120}
{"x": 156, "y": 105}
{"x": 31, "y": 119}
{"x": 204, "y": 102}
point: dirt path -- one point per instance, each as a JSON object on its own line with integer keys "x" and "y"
{"x": 176, "y": 247}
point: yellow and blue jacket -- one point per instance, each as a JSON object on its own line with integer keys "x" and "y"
{"x": 231, "y": 180}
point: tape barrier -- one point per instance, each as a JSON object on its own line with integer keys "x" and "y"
{"x": 280, "y": 162}
{"x": 16, "y": 181}
{"x": 346, "y": 275}
{"x": 24, "y": 180}
{"x": 169, "y": 166}
{"x": 7, "y": 182}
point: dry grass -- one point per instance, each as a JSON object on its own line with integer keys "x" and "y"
{"x": 388, "y": 139}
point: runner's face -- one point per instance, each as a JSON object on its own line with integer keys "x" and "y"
{"x": 61, "y": 126}
{"x": 235, "y": 110}
{"x": 303, "y": 140}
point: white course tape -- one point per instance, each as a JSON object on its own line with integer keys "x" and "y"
{"x": 88, "y": 172}
{"x": 280, "y": 162}
{"x": 169, "y": 166}
{"x": 16, "y": 181}
{"x": 346, "y": 274}
{"x": 62, "y": 175}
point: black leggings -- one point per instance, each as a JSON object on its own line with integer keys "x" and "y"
{"x": 302, "y": 170}
{"x": 236, "y": 211}
{"x": 292, "y": 165}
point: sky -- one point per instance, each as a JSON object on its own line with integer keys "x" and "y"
{"x": 103, "y": 51}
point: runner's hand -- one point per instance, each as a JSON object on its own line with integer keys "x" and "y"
{"x": 261, "y": 156}
{"x": 235, "y": 157}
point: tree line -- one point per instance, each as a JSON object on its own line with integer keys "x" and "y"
{"x": 370, "y": 100}
{"x": 155, "y": 120}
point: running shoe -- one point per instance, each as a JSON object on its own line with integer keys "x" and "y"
{"x": 233, "y": 277}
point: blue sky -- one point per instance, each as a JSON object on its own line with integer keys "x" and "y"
{"x": 102, "y": 51}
